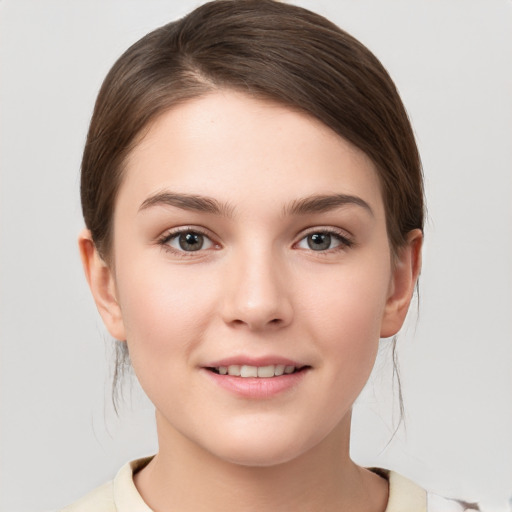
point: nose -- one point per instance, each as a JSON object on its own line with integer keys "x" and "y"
{"x": 258, "y": 292}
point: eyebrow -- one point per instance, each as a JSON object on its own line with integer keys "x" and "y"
{"x": 188, "y": 202}
{"x": 302, "y": 206}
{"x": 324, "y": 203}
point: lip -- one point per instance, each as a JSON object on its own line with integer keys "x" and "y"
{"x": 254, "y": 361}
{"x": 256, "y": 388}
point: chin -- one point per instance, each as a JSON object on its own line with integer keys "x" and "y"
{"x": 267, "y": 456}
{"x": 263, "y": 448}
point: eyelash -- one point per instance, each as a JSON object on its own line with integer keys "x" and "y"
{"x": 344, "y": 241}
{"x": 164, "y": 240}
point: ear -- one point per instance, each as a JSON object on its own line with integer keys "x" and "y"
{"x": 102, "y": 284}
{"x": 406, "y": 269}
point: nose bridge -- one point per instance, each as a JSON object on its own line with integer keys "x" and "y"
{"x": 257, "y": 295}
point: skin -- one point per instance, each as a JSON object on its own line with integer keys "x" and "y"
{"x": 256, "y": 289}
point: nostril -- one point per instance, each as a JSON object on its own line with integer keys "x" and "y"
{"x": 275, "y": 322}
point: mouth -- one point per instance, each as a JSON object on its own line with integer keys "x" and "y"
{"x": 259, "y": 378}
{"x": 262, "y": 372}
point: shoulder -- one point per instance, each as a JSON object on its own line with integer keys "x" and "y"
{"x": 118, "y": 495}
{"x": 99, "y": 500}
{"x": 405, "y": 495}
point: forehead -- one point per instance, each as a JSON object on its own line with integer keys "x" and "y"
{"x": 240, "y": 149}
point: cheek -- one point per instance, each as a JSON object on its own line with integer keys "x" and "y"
{"x": 345, "y": 319}
{"x": 351, "y": 298}
{"x": 164, "y": 312}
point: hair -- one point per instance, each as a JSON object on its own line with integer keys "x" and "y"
{"x": 269, "y": 50}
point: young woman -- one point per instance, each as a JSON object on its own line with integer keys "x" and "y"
{"x": 253, "y": 199}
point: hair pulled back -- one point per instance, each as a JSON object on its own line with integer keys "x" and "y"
{"x": 269, "y": 50}
{"x": 266, "y": 49}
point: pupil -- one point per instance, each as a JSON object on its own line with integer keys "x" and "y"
{"x": 319, "y": 241}
{"x": 191, "y": 241}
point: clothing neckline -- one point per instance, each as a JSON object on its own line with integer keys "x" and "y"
{"x": 404, "y": 495}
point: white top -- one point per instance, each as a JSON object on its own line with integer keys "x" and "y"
{"x": 121, "y": 495}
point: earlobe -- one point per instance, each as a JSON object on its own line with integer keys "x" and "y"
{"x": 102, "y": 284}
{"x": 403, "y": 281}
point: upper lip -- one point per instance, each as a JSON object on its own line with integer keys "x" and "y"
{"x": 254, "y": 361}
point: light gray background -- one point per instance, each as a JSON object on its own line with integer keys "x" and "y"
{"x": 451, "y": 61}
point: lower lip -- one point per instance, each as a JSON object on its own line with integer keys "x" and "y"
{"x": 257, "y": 387}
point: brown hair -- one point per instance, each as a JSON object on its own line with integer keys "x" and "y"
{"x": 266, "y": 49}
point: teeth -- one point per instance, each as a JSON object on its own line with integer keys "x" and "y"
{"x": 255, "y": 371}
{"x": 279, "y": 370}
{"x": 234, "y": 369}
{"x": 266, "y": 371}
{"x": 248, "y": 371}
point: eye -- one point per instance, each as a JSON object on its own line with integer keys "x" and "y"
{"x": 323, "y": 241}
{"x": 187, "y": 241}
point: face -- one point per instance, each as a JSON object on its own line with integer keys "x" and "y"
{"x": 251, "y": 277}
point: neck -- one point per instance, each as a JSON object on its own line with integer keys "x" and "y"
{"x": 184, "y": 477}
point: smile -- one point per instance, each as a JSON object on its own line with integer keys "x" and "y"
{"x": 263, "y": 372}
